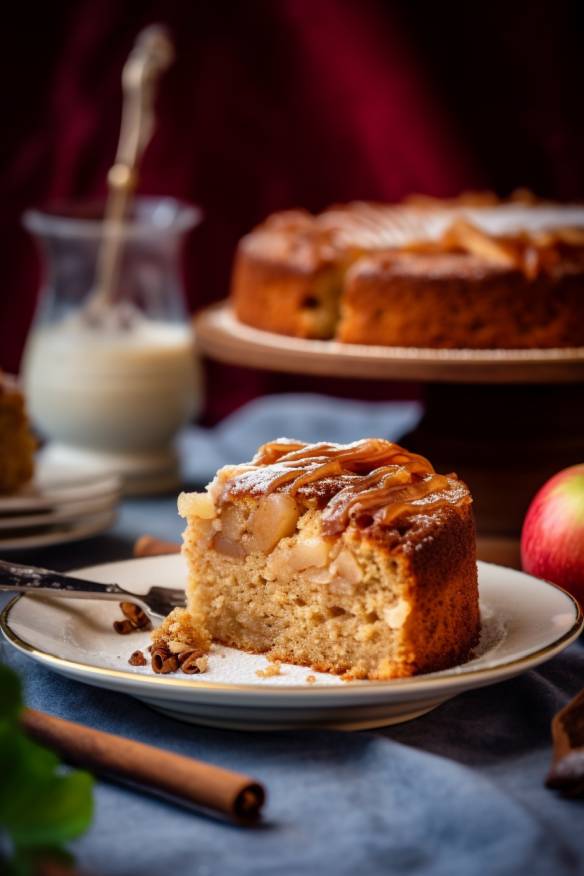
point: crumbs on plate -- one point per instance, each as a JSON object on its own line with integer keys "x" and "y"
{"x": 270, "y": 670}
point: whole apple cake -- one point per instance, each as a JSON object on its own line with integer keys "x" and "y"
{"x": 356, "y": 559}
{"x": 471, "y": 273}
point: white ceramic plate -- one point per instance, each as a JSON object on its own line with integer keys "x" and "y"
{"x": 56, "y": 485}
{"x": 62, "y": 533}
{"x": 64, "y": 513}
{"x": 525, "y": 622}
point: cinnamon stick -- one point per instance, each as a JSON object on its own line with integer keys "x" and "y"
{"x": 150, "y": 546}
{"x": 185, "y": 779}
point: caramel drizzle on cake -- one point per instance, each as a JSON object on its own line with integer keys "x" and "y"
{"x": 532, "y": 252}
{"x": 371, "y": 482}
{"x": 426, "y": 225}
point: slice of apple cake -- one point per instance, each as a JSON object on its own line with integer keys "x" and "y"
{"x": 355, "y": 559}
{"x": 17, "y": 444}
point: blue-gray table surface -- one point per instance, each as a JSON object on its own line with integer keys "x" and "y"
{"x": 457, "y": 791}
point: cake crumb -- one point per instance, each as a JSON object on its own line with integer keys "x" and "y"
{"x": 176, "y": 647}
{"x": 270, "y": 670}
{"x": 137, "y": 659}
{"x": 311, "y": 679}
{"x": 203, "y": 663}
{"x": 178, "y": 634}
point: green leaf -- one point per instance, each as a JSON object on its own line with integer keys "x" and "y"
{"x": 10, "y": 696}
{"x": 24, "y": 766}
{"x": 56, "y": 812}
{"x": 9, "y": 737}
{"x": 41, "y": 805}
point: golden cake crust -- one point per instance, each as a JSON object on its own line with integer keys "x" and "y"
{"x": 295, "y": 295}
{"x": 401, "y": 300}
{"x": 405, "y": 275}
{"x": 444, "y": 626}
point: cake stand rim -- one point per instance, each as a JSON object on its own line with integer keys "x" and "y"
{"x": 221, "y": 336}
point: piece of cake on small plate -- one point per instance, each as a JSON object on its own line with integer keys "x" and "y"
{"x": 356, "y": 559}
{"x": 17, "y": 444}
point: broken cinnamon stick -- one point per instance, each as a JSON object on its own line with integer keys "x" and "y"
{"x": 183, "y": 778}
{"x": 150, "y": 546}
{"x": 567, "y": 771}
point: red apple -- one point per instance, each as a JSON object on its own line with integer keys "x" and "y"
{"x": 552, "y": 541}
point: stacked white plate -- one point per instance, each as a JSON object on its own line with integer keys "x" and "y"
{"x": 62, "y": 503}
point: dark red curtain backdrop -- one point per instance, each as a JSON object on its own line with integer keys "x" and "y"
{"x": 280, "y": 103}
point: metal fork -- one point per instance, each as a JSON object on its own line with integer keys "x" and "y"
{"x": 157, "y": 602}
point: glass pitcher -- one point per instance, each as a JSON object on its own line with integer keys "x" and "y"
{"x": 113, "y": 390}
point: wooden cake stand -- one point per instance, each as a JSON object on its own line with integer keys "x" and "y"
{"x": 504, "y": 420}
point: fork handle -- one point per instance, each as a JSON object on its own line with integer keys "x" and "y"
{"x": 31, "y": 579}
